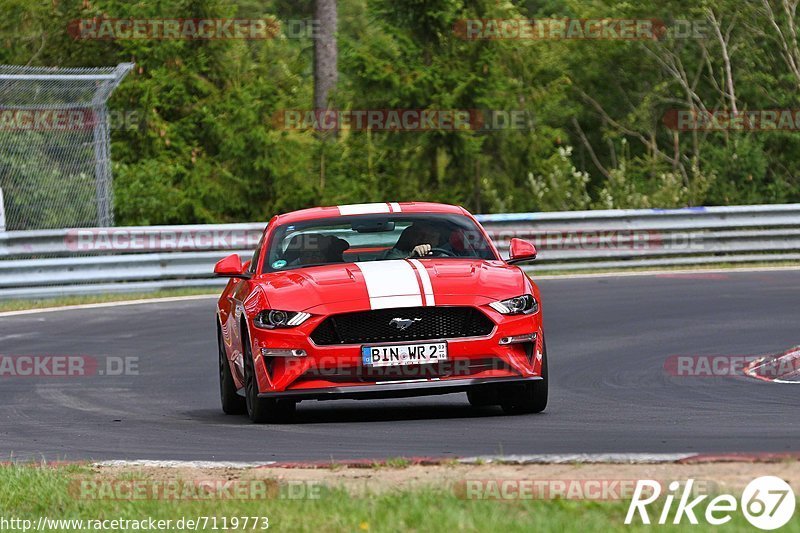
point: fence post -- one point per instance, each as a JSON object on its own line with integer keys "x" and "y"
{"x": 2, "y": 212}
{"x": 46, "y": 168}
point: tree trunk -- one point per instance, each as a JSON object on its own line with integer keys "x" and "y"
{"x": 325, "y": 52}
{"x": 325, "y": 69}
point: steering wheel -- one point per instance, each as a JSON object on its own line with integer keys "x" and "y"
{"x": 442, "y": 251}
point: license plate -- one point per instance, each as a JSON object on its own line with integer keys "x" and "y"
{"x": 404, "y": 354}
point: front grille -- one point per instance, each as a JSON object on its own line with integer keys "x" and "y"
{"x": 375, "y": 326}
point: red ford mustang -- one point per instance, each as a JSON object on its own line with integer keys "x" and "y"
{"x": 375, "y": 301}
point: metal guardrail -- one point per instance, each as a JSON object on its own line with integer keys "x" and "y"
{"x": 50, "y": 263}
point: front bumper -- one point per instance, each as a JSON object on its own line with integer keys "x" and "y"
{"x": 337, "y": 371}
{"x": 392, "y": 389}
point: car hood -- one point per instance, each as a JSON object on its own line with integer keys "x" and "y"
{"x": 399, "y": 283}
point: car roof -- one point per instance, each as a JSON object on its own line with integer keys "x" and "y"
{"x": 365, "y": 209}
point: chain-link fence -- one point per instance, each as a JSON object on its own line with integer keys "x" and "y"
{"x": 55, "y": 160}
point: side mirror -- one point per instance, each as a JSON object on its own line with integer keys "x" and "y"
{"x": 231, "y": 267}
{"x": 520, "y": 251}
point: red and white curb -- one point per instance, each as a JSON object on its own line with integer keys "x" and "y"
{"x": 780, "y": 368}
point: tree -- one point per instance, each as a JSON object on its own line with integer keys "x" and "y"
{"x": 325, "y": 52}
{"x": 325, "y": 67}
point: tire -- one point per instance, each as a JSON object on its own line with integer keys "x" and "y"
{"x": 232, "y": 403}
{"x": 529, "y": 397}
{"x": 262, "y": 410}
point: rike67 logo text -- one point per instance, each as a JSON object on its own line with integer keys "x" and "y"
{"x": 767, "y": 502}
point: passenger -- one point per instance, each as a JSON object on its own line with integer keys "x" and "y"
{"x": 315, "y": 249}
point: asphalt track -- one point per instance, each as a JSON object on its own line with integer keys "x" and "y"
{"x": 608, "y": 339}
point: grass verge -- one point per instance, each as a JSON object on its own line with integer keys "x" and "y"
{"x": 30, "y": 492}
{"x": 23, "y": 304}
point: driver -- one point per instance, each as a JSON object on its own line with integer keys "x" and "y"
{"x": 417, "y": 240}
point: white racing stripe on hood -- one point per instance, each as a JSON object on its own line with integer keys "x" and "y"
{"x": 391, "y": 284}
{"x": 426, "y": 281}
{"x": 363, "y": 209}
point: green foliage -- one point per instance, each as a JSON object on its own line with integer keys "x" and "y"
{"x": 209, "y": 149}
{"x": 563, "y": 187}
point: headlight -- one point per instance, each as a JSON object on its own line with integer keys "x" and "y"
{"x": 519, "y": 305}
{"x": 273, "y": 318}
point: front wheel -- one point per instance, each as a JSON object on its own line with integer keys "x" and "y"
{"x": 232, "y": 403}
{"x": 262, "y": 410}
{"x": 528, "y": 397}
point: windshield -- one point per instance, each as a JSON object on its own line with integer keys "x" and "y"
{"x": 375, "y": 238}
